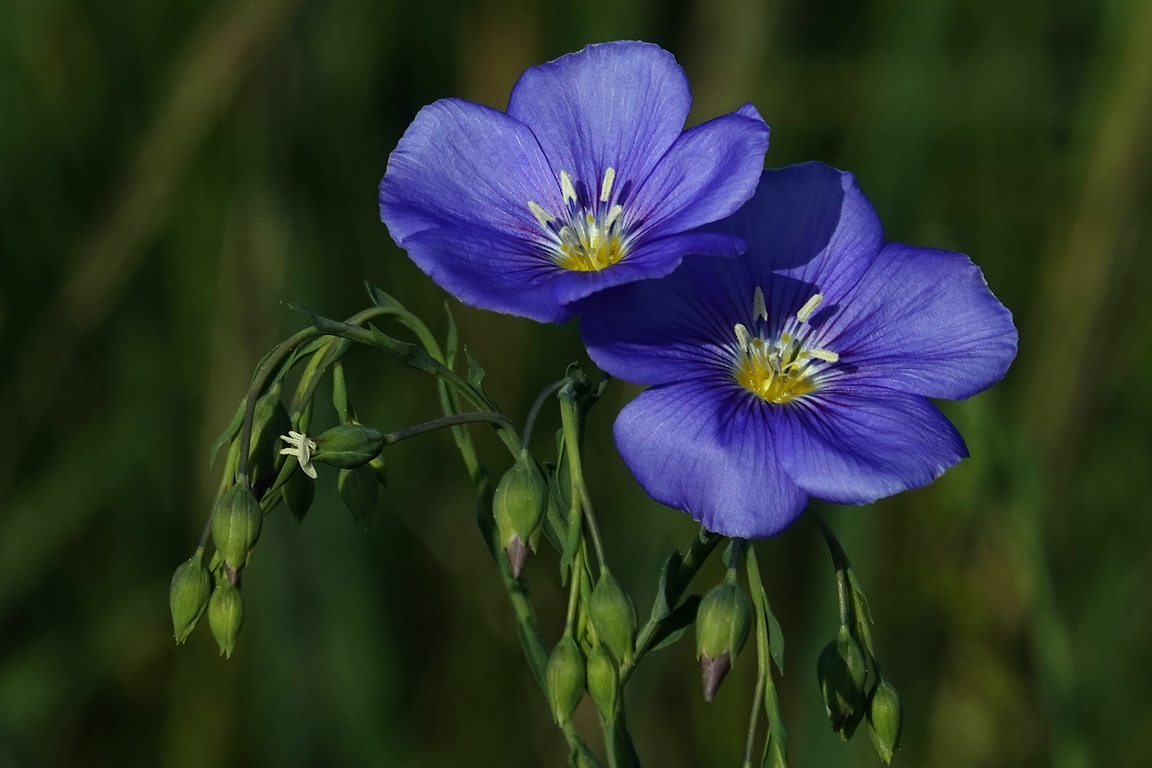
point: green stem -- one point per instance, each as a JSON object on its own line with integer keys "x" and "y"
{"x": 841, "y": 563}
{"x": 547, "y": 392}
{"x": 471, "y": 417}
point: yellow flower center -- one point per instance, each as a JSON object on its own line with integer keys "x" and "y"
{"x": 593, "y": 236}
{"x": 780, "y": 369}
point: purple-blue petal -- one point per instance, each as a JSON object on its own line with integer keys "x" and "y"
{"x": 855, "y": 445}
{"x": 707, "y": 173}
{"x": 924, "y": 321}
{"x": 612, "y": 105}
{"x": 462, "y": 164}
{"x": 710, "y": 452}
{"x": 809, "y": 230}
{"x": 492, "y": 270}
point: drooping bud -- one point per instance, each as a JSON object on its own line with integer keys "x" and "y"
{"x": 299, "y": 491}
{"x": 566, "y": 678}
{"x": 842, "y": 672}
{"x": 613, "y": 616}
{"x": 236, "y": 523}
{"x": 225, "y": 616}
{"x": 518, "y": 507}
{"x": 885, "y": 720}
{"x": 348, "y": 446}
{"x": 188, "y": 596}
{"x": 722, "y": 623}
{"x": 359, "y": 491}
{"x": 603, "y": 681}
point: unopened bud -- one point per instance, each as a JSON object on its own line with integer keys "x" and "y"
{"x": 299, "y": 491}
{"x": 348, "y": 446}
{"x": 842, "y": 672}
{"x": 613, "y": 616}
{"x": 775, "y": 757}
{"x": 517, "y": 554}
{"x": 225, "y": 615}
{"x": 188, "y": 596}
{"x": 380, "y": 469}
{"x": 518, "y": 505}
{"x": 566, "y": 677}
{"x": 236, "y": 523}
{"x": 885, "y": 720}
{"x": 603, "y": 681}
{"x": 712, "y": 673}
{"x": 359, "y": 491}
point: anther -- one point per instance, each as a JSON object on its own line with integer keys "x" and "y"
{"x": 566, "y": 187}
{"x": 809, "y": 307}
{"x": 541, "y": 215}
{"x": 606, "y": 187}
{"x": 759, "y": 310}
{"x": 826, "y": 355}
{"x": 613, "y": 214}
{"x": 742, "y": 336}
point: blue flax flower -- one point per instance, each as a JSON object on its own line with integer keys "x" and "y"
{"x": 802, "y": 368}
{"x": 588, "y": 181}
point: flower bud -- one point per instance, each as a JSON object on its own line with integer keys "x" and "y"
{"x": 348, "y": 446}
{"x": 885, "y": 720}
{"x": 380, "y": 469}
{"x": 225, "y": 615}
{"x": 613, "y": 616}
{"x": 603, "y": 681}
{"x": 299, "y": 491}
{"x": 842, "y": 672}
{"x": 188, "y": 596}
{"x": 722, "y": 623}
{"x": 566, "y": 676}
{"x": 236, "y": 523}
{"x": 518, "y": 507}
{"x": 359, "y": 490}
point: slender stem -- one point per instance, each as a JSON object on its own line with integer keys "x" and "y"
{"x": 271, "y": 363}
{"x": 470, "y": 417}
{"x": 547, "y": 392}
{"x": 574, "y": 590}
{"x": 763, "y": 670}
{"x": 841, "y": 563}
{"x": 593, "y": 528}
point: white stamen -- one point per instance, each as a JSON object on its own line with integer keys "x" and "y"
{"x": 742, "y": 336}
{"x": 826, "y": 355}
{"x": 566, "y": 187}
{"x": 809, "y": 307}
{"x": 301, "y": 447}
{"x": 759, "y": 310}
{"x": 613, "y": 214}
{"x": 541, "y": 215}
{"x": 606, "y": 187}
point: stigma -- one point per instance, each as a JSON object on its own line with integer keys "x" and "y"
{"x": 589, "y": 234}
{"x": 779, "y": 367}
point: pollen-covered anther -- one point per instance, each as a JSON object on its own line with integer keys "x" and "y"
{"x": 782, "y": 366}
{"x": 588, "y": 235}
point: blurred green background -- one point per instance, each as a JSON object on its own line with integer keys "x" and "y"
{"x": 171, "y": 170}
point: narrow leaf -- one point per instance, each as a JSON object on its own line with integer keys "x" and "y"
{"x": 676, "y": 623}
{"x": 453, "y": 339}
{"x": 229, "y": 432}
{"x": 475, "y": 373}
{"x": 382, "y": 299}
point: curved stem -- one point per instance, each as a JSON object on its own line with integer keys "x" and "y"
{"x": 470, "y": 417}
{"x": 593, "y": 528}
{"x": 530, "y": 423}
{"x": 841, "y": 564}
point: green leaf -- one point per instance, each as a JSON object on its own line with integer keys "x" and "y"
{"x": 775, "y": 637}
{"x": 475, "y": 373}
{"x": 861, "y": 599}
{"x": 669, "y": 578}
{"x": 323, "y": 324}
{"x": 382, "y": 299}
{"x": 453, "y": 339}
{"x": 673, "y": 627}
{"x": 340, "y": 395}
{"x": 229, "y": 432}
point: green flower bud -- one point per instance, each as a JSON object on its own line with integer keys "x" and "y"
{"x": 380, "y": 469}
{"x": 885, "y": 720}
{"x": 299, "y": 491}
{"x": 348, "y": 446}
{"x": 188, "y": 596}
{"x": 603, "y": 681}
{"x": 722, "y": 624}
{"x": 566, "y": 676}
{"x": 842, "y": 672}
{"x": 236, "y": 523}
{"x": 518, "y": 507}
{"x": 225, "y": 615}
{"x": 613, "y": 616}
{"x": 359, "y": 490}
